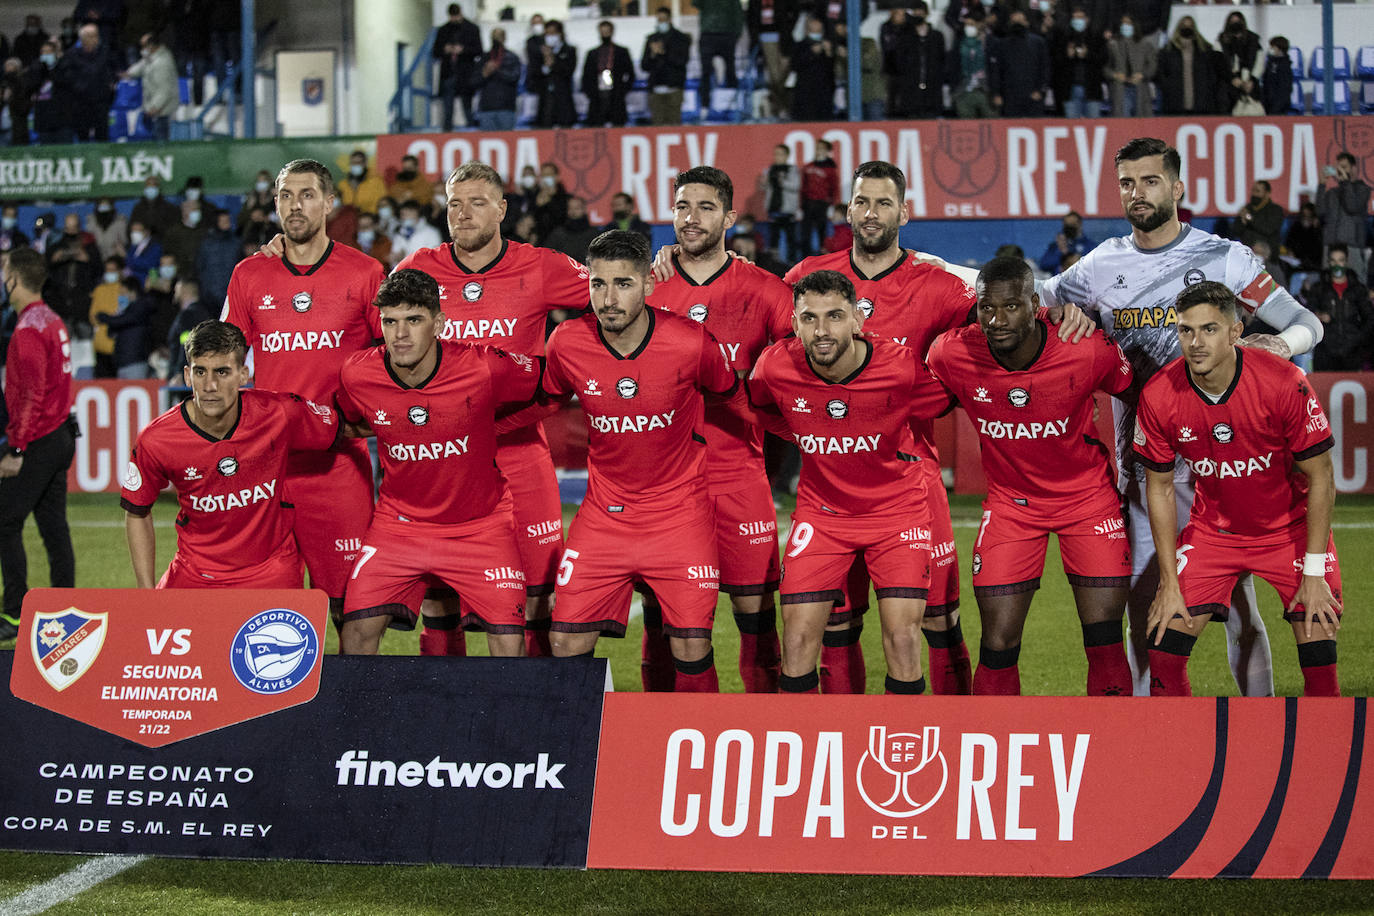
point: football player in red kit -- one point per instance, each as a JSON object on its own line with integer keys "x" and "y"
{"x": 444, "y": 510}
{"x": 499, "y": 292}
{"x": 1259, "y": 445}
{"x": 1030, "y": 396}
{"x": 639, "y": 374}
{"x": 227, "y": 452}
{"x": 303, "y": 314}
{"x": 848, "y": 403}
{"x": 745, "y": 308}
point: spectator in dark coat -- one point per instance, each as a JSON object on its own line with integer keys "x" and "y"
{"x": 575, "y": 233}
{"x": 131, "y": 327}
{"x": 145, "y": 252}
{"x": 550, "y": 76}
{"x": 499, "y": 82}
{"x": 1244, "y": 66}
{"x": 550, "y": 206}
{"x": 1343, "y": 202}
{"x": 625, "y": 217}
{"x": 1261, "y": 218}
{"x": 154, "y": 211}
{"x": 813, "y": 61}
{"x": 218, "y": 254}
{"x": 1277, "y": 82}
{"x": 1077, "y": 58}
{"x": 1342, "y": 304}
{"x": 192, "y": 309}
{"x": 11, "y": 236}
{"x": 183, "y": 240}
{"x": 1187, "y": 76}
{"x": 1304, "y": 238}
{"x": 14, "y": 100}
{"x": 664, "y": 62}
{"x": 607, "y": 75}
{"x": 89, "y": 72}
{"x": 458, "y": 49}
{"x": 1019, "y": 72}
{"x": 28, "y": 44}
{"x": 74, "y": 267}
{"x": 914, "y": 63}
{"x": 49, "y": 99}
{"x": 771, "y": 24}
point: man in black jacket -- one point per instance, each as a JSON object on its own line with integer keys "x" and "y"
{"x": 88, "y": 72}
{"x": 1019, "y": 72}
{"x": 913, "y": 63}
{"x": 607, "y": 75}
{"x": 666, "y": 53}
{"x": 1342, "y": 303}
{"x": 458, "y": 48}
{"x": 550, "y": 76}
{"x": 500, "y": 84}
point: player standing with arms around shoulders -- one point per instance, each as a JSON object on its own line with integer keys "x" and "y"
{"x": 303, "y": 314}
{"x": 744, "y": 308}
{"x": 1030, "y": 396}
{"x": 444, "y": 510}
{"x": 1259, "y": 445}
{"x": 848, "y": 403}
{"x": 498, "y": 292}
{"x": 1129, "y": 284}
{"x": 227, "y": 451}
{"x": 640, "y": 374}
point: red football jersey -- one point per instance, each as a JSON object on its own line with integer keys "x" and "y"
{"x": 1241, "y": 449}
{"x": 230, "y": 489}
{"x": 643, "y": 411}
{"x": 855, "y": 437}
{"x": 437, "y": 440}
{"x": 303, "y": 322}
{"x": 39, "y": 388}
{"x": 1035, "y": 425}
{"x": 745, "y": 308}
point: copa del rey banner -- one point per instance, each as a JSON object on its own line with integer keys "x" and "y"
{"x": 994, "y": 169}
{"x": 1051, "y": 786}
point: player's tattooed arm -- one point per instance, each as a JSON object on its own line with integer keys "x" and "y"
{"x": 1270, "y": 342}
{"x": 1314, "y": 594}
{"x": 1168, "y": 601}
{"x": 142, "y": 539}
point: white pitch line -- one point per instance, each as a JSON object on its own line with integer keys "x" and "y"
{"x": 67, "y": 885}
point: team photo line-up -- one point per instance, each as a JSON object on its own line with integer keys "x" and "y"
{"x": 679, "y": 362}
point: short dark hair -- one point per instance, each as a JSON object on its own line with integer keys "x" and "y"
{"x": 1009, "y": 251}
{"x": 553, "y": 24}
{"x": 1005, "y": 270}
{"x": 116, "y": 259}
{"x": 410, "y": 203}
{"x": 620, "y": 245}
{"x": 663, "y": 9}
{"x": 707, "y": 175}
{"x": 879, "y": 169}
{"x": 1142, "y": 147}
{"x": 824, "y": 282}
{"x": 28, "y": 267}
{"x": 409, "y": 287}
{"x": 1208, "y": 292}
{"x": 477, "y": 171}
{"x": 1347, "y": 156}
{"x": 1268, "y": 189}
{"x": 1342, "y": 247}
{"x": 215, "y": 336}
{"x": 454, "y": 9}
{"x": 1281, "y": 43}
{"x": 309, "y": 167}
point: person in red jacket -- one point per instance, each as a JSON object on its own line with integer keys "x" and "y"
{"x": 819, "y": 192}
{"x": 40, "y": 436}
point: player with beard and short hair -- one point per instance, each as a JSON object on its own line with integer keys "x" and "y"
{"x": 499, "y": 292}
{"x": 639, "y": 374}
{"x": 444, "y": 511}
{"x": 303, "y": 314}
{"x": 848, "y": 402}
{"x": 745, "y": 308}
{"x": 1129, "y": 284}
{"x": 1030, "y": 397}
{"x": 227, "y": 452}
{"x": 1259, "y": 445}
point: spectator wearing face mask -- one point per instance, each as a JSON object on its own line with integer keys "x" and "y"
{"x": 1244, "y": 67}
{"x": 1077, "y": 57}
{"x": 361, "y": 187}
{"x": 498, "y": 81}
{"x": 1188, "y": 80}
{"x": 1019, "y": 74}
{"x": 575, "y": 233}
{"x": 1069, "y": 240}
{"x": 15, "y": 102}
{"x": 968, "y": 69}
{"x": 109, "y": 229}
{"x": 388, "y": 216}
{"x": 1276, "y": 85}
{"x": 260, "y": 196}
{"x": 667, "y": 51}
{"x": 183, "y": 240}
{"x": 1341, "y": 302}
{"x": 813, "y": 65}
{"x": 550, "y": 200}
{"x": 549, "y": 75}
{"x": 49, "y": 99}
{"x": 144, "y": 251}
{"x": 11, "y": 236}
{"x": 624, "y": 216}
{"x": 219, "y": 252}
{"x": 130, "y": 325}
{"x": 192, "y": 309}
{"x": 105, "y": 301}
{"x": 1131, "y": 63}
{"x": 413, "y": 234}
{"x": 257, "y": 230}
{"x": 74, "y": 265}
{"x": 410, "y": 184}
{"x": 1304, "y": 238}
{"x": 155, "y": 212}
{"x": 28, "y": 44}
{"x": 372, "y": 241}
{"x": 161, "y": 94}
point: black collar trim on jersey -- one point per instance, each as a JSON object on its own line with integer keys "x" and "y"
{"x": 1207, "y": 398}
{"x": 1178, "y": 240}
{"x": 453, "y": 253}
{"x": 860, "y": 274}
{"x": 1039, "y": 351}
{"x": 851, "y": 376}
{"x": 642, "y": 344}
{"x": 186, "y": 415}
{"x": 677, "y": 266}
{"x": 313, "y": 267}
{"x": 438, "y": 358}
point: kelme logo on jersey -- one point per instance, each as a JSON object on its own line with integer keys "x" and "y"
{"x": 228, "y": 466}
{"x": 1239, "y": 467}
{"x": 698, "y": 312}
{"x": 472, "y": 291}
{"x": 1186, "y": 435}
{"x": 418, "y": 415}
{"x": 274, "y": 650}
{"x": 1019, "y": 397}
{"x": 301, "y": 302}
{"x": 380, "y": 419}
{"x": 627, "y": 388}
{"x": 799, "y": 406}
{"x": 980, "y": 394}
{"x": 902, "y": 774}
{"x": 193, "y": 474}
{"x": 593, "y": 389}
{"x": 837, "y": 409}
{"x": 865, "y": 307}
{"x": 267, "y": 302}
{"x": 1222, "y": 433}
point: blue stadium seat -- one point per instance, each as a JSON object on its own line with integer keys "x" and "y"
{"x": 1295, "y": 57}
{"x": 184, "y": 89}
{"x": 1367, "y": 97}
{"x": 1340, "y": 68}
{"x": 1341, "y": 97}
{"x": 1364, "y": 62}
{"x": 1297, "y": 103}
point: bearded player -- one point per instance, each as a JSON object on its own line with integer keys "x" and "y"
{"x": 745, "y": 308}
{"x": 499, "y": 292}
{"x": 444, "y": 510}
{"x": 1259, "y": 446}
{"x": 1129, "y": 284}
{"x": 1030, "y": 396}
{"x": 848, "y": 402}
{"x": 303, "y": 314}
{"x": 227, "y": 452}
{"x": 640, "y": 375}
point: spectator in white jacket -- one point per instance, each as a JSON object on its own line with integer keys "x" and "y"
{"x": 161, "y": 93}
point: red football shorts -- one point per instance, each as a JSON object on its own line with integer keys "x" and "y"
{"x": 533, "y": 484}
{"x": 671, "y": 551}
{"x": 1009, "y": 552}
{"x": 331, "y": 493}
{"x": 1209, "y": 565}
{"x": 281, "y": 570}
{"x": 479, "y": 560}
{"x": 821, "y": 549}
{"x": 747, "y": 538}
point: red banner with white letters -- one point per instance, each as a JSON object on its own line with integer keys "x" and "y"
{"x": 1049, "y": 786}
{"x": 111, "y": 414}
{"x": 994, "y": 169}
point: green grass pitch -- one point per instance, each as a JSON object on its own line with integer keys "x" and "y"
{"x": 1051, "y": 663}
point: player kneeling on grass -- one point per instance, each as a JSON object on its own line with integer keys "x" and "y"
{"x": 1257, "y": 440}
{"x": 444, "y": 511}
{"x": 847, "y": 402}
{"x": 225, "y": 451}
{"x": 1030, "y": 396}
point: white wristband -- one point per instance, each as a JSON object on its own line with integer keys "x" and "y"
{"x": 1314, "y": 564}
